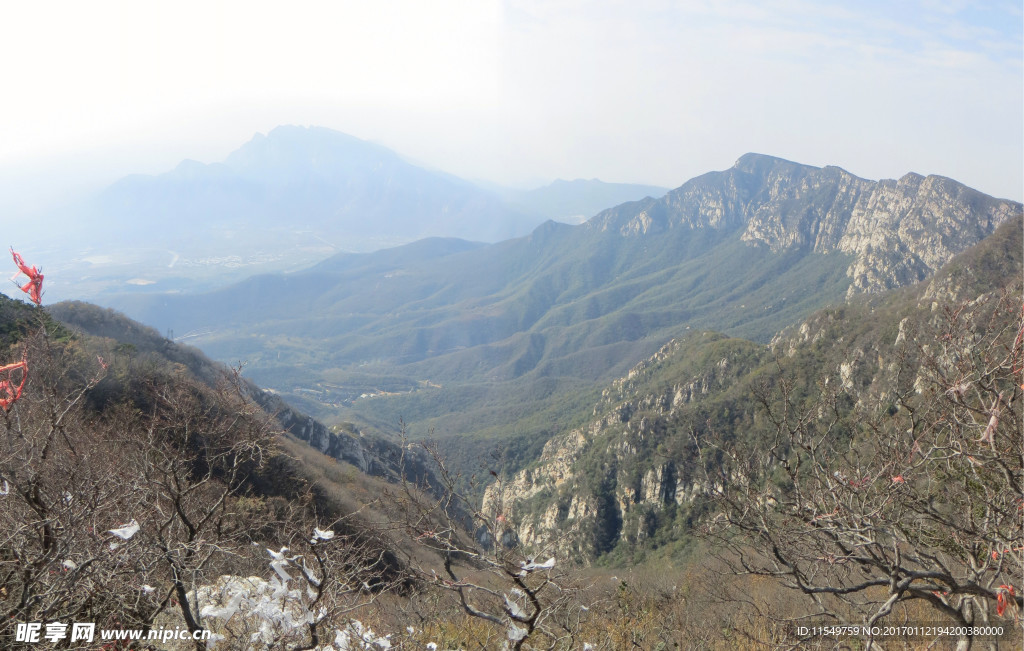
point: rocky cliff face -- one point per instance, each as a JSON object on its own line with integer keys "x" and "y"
{"x": 632, "y": 474}
{"x": 903, "y": 231}
{"x": 600, "y": 481}
{"x": 898, "y": 232}
{"x": 373, "y": 456}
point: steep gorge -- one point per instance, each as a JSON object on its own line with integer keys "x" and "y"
{"x": 631, "y": 479}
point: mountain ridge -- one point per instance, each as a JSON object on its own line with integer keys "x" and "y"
{"x": 783, "y": 204}
{"x": 745, "y": 251}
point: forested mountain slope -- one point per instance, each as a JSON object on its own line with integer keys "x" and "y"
{"x": 136, "y": 345}
{"x": 641, "y": 474}
{"x": 467, "y": 340}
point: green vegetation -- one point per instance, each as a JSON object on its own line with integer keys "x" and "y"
{"x": 451, "y": 338}
{"x": 660, "y": 438}
{"x": 669, "y": 431}
{"x": 532, "y": 354}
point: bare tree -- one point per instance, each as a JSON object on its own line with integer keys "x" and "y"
{"x": 56, "y": 499}
{"x": 143, "y": 511}
{"x": 529, "y": 601}
{"x": 907, "y": 494}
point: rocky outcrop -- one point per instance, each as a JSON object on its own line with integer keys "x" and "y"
{"x": 898, "y": 232}
{"x": 373, "y": 456}
{"x": 903, "y": 231}
{"x": 562, "y": 506}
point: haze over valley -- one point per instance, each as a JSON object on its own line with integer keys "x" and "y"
{"x": 484, "y": 345}
{"x": 279, "y": 203}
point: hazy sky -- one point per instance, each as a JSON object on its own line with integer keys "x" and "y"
{"x": 522, "y": 92}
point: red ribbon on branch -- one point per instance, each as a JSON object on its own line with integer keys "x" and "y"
{"x": 1001, "y": 599}
{"x": 9, "y": 393}
{"x": 34, "y": 286}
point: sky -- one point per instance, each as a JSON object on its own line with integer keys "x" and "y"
{"x": 519, "y": 92}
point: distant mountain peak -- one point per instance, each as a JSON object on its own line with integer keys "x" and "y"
{"x": 308, "y": 149}
{"x": 306, "y": 188}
